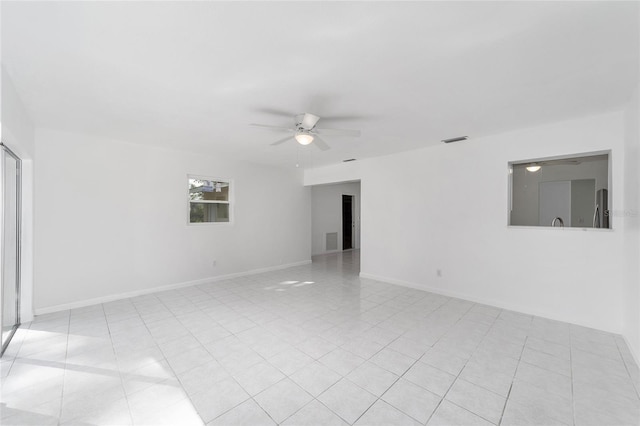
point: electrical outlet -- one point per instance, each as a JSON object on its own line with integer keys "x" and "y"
{"x": 214, "y": 263}
{"x": 439, "y": 273}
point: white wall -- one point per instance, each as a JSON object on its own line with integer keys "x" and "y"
{"x": 111, "y": 219}
{"x": 326, "y": 214}
{"x": 18, "y": 134}
{"x": 632, "y": 218}
{"x": 17, "y": 128}
{"x": 445, "y": 207}
{"x": 342, "y": 172}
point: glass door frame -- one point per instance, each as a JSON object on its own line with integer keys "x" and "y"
{"x": 3, "y": 153}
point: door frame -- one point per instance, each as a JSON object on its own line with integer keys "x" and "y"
{"x": 5, "y": 150}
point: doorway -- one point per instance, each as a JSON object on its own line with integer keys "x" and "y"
{"x": 10, "y": 213}
{"x": 335, "y": 220}
{"x": 347, "y": 222}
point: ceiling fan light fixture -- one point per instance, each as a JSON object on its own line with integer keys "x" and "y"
{"x": 533, "y": 168}
{"x": 305, "y": 132}
{"x": 304, "y": 138}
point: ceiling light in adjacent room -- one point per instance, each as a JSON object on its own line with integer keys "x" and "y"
{"x": 533, "y": 168}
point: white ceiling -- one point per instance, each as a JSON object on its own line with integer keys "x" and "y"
{"x": 193, "y": 75}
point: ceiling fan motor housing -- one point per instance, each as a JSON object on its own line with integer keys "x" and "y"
{"x": 299, "y": 118}
{"x": 306, "y": 121}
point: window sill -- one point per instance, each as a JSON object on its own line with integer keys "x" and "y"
{"x": 568, "y": 228}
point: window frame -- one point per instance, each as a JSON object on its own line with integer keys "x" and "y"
{"x": 607, "y": 152}
{"x": 230, "y": 201}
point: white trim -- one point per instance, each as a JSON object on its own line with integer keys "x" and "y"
{"x": 561, "y": 157}
{"x": 328, "y": 252}
{"x": 561, "y": 228}
{"x": 490, "y": 302}
{"x": 113, "y": 297}
{"x": 208, "y": 202}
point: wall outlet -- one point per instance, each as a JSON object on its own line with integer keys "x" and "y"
{"x": 214, "y": 263}
{"x": 439, "y": 273}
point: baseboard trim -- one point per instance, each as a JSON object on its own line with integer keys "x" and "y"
{"x": 142, "y": 292}
{"x": 326, "y": 252}
{"x": 484, "y": 301}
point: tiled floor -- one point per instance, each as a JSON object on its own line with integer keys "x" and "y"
{"x": 313, "y": 345}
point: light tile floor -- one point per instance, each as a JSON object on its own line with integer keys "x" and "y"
{"x": 313, "y": 345}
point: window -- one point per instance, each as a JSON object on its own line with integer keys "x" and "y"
{"x": 570, "y": 192}
{"x": 209, "y": 200}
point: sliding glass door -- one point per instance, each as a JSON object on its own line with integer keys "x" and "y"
{"x": 10, "y": 174}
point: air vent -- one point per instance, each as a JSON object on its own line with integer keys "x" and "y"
{"x": 458, "y": 139}
{"x": 331, "y": 242}
{"x": 350, "y": 159}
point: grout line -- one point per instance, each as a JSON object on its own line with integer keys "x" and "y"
{"x": 160, "y": 350}
{"x": 115, "y": 356}
{"x": 231, "y": 376}
{"x": 465, "y": 364}
{"x": 64, "y": 375}
{"x": 412, "y": 365}
{"x": 378, "y": 398}
{"x": 626, "y": 366}
{"x": 573, "y": 400}
{"x": 506, "y": 401}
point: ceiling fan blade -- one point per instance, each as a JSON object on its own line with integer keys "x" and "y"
{"x": 272, "y": 127}
{"x": 322, "y": 145}
{"x": 275, "y": 111}
{"x": 338, "y": 132}
{"x": 309, "y": 120}
{"x": 342, "y": 117}
{"x": 283, "y": 140}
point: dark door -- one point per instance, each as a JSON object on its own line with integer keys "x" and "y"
{"x": 347, "y": 222}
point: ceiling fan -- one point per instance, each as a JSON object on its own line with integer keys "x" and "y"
{"x": 305, "y": 131}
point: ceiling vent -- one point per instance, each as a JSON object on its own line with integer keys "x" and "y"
{"x": 458, "y": 139}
